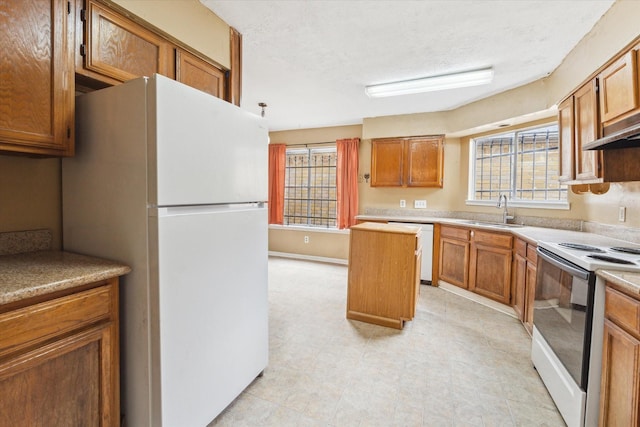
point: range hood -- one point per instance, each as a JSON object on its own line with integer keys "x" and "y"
{"x": 616, "y": 138}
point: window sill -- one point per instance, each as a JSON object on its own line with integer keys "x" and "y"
{"x": 522, "y": 204}
{"x": 308, "y": 229}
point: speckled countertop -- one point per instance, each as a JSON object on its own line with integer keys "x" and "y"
{"x": 30, "y": 274}
{"x": 627, "y": 282}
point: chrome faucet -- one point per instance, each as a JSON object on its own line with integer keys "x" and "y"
{"x": 505, "y": 213}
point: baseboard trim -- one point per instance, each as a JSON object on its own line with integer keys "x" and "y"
{"x": 309, "y": 258}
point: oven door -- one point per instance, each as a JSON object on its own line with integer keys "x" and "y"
{"x": 563, "y": 312}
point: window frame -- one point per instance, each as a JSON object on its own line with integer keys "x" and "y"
{"x": 327, "y": 148}
{"x": 535, "y": 204}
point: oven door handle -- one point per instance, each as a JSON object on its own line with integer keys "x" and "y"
{"x": 562, "y": 264}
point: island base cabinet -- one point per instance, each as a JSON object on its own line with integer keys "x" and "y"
{"x": 59, "y": 360}
{"x": 384, "y": 273}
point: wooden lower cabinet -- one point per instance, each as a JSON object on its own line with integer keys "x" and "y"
{"x": 59, "y": 360}
{"x": 454, "y": 256}
{"x": 620, "y": 385}
{"x": 384, "y": 273}
{"x": 523, "y": 288}
{"x": 490, "y": 265}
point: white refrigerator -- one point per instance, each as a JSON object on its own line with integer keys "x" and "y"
{"x": 173, "y": 182}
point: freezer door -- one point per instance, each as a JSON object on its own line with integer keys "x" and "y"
{"x": 212, "y": 308}
{"x": 206, "y": 151}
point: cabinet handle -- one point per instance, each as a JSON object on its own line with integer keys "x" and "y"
{"x": 471, "y": 233}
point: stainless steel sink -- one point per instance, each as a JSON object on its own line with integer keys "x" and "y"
{"x": 489, "y": 223}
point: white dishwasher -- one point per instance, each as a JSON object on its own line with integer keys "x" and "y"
{"x": 427, "y": 249}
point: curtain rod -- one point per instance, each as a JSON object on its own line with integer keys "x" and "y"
{"x": 311, "y": 143}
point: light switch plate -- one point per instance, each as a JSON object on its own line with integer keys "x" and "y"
{"x": 420, "y": 204}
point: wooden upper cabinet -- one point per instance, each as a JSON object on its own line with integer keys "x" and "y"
{"x": 407, "y": 162}
{"x": 619, "y": 89}
{"x": 199, "y": 74}
{"x": 37, "y": 83}
{"x": 116, "y": 49}
{"x": 425, "y": 162}
{"x": 567, "y": 140}
{"x": 387, "y": 162}
{"x": 578, "y": 124}
{"x": 588, "y": 164}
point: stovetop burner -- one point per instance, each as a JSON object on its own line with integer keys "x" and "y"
{"x": 634, "y": 251}
{"x": 581, "y": 247}
{"x": 611, "y": 259}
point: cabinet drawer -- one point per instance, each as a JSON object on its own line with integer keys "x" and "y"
{"x": 532, "y": 254}
{"x": 492, "y": 239}
{"x": 454, "y": 232}
{"x": 520, "y": 247}
{"x": 623, "y": 311}
{"x": 37, "y": 323}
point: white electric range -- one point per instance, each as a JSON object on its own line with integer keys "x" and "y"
{"x": 569, "y": 318}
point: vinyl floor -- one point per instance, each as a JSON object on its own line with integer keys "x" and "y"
{"x": 458, "y": 363}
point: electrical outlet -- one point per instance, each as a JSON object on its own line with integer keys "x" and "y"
{"x": 420, "y": 204}
{"x": 306, "y": 239}
{"x": 403, "y": 203}
{"x": 622, "y": 214}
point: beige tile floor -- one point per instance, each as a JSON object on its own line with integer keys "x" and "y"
{"x": 458, "y": 363}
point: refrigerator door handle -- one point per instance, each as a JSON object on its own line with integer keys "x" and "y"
{"x": 207, "y": 209}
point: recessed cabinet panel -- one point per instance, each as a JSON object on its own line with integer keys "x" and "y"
{"x": 121, "y": 49}
{"x": 199, "y": 74}
{"x": 37, "y": 82}
{"x": 586, "y": 130}
{"x": 425, "y": 162}
{"x": 387, "y": 163}
{"x": 567, "y": 140}
{"x": 618, "y": 88}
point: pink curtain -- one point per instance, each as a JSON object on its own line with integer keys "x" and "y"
{"x": 277, "y": 159}
{"x": 347, "y": 181}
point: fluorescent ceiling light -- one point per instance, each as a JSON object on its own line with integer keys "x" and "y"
{"x": 430, "y": 84}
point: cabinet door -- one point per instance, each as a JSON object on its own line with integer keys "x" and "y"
{"x": 618, "y": 88}
{"x": 530, "y": 295}
{"x": 519, "y": 285}
{"x": 490, "y": 272}
{"x": 118, "y": 49}
{"x": 37, "y": 83}
{"x": 454, "y": 262}
{"x": 387, "y": 163}
{"x": 587, "y": 163}
{"x": 620, "y": 386}
{"x": 199, "y": 74}
{"x": 425, "y": 162}
{"x": 567, "y": 139}
{"x": 66, "y": 382}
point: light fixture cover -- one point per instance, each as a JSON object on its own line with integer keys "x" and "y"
{"x": 431, "y": 84}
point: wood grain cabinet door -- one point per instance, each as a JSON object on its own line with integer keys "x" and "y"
{"x": 620, "y": 386}
{"x": 199, "y": 74}
{"x": 387, "y": 163}
{"x": 425, "y": 162}
{"x": 587, "y": 163}
{"x": 618, "y": 88}
{"x": 36, "y": 77}
{"x": 567, "y": 140}
{"x": 454, "y": 262}
{"x": 119, "y": 49}
{"x": 66, "y": 382}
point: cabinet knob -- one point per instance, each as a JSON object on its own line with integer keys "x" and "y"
{"x": 471, "y": 233}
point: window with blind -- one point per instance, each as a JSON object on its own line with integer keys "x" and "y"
{"x": 523, "y": 165}
{"x": 310, "y": 187}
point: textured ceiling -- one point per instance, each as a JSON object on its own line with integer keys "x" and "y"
{"x": 309, "y": 61}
